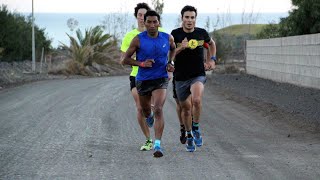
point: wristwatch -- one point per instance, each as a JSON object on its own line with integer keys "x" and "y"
{"x": 213, "y": 58}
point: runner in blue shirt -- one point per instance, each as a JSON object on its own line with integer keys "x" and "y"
{"x": 152, "y": 48}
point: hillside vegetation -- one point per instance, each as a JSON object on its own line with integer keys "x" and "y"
{"x": 240, "y": 29}
{"x": 231, "y": 40}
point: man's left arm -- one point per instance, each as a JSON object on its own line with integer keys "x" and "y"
{"x": 172, "y": 53}
{"x": 211, "y": 55}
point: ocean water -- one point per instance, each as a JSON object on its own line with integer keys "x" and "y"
{"x": 56, "y": 27}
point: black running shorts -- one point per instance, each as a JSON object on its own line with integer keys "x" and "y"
{"x": 146, "y": 87}
{"x": 132, "y": 82}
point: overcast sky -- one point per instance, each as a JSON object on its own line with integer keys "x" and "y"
{"x": 170, "y": 6}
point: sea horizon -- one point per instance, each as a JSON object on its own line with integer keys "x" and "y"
{"x": 56, "y": 27}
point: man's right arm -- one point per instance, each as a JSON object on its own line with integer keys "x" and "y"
{"x": 181, "y": 46}
{"x": 124, "y": 46}
{"x": 134, "y": 46}
{"x": 122, "y": 58}
{"x": 130, "y": 51}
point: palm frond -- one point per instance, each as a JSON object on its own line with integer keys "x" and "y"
{"x": 93, "y": 46}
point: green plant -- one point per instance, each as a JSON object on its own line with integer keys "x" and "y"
{"x": 223, "y": 45}
{"x": 304, "y": 18}
{"x": 269, "y": 31}
{"x": 15, "y": 36}
{"x": 93, "y": 46}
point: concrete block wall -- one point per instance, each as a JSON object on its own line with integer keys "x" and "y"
{"x": 294, "y": 60}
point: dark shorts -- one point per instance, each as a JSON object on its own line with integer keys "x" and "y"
{"x": 146, "y": 87}
{"x": 174, "y": 88}
{"x": 132, "y": 82}
{"x": 183, "y": 87}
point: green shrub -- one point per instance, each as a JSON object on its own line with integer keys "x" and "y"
{"x": 16, "y": 37}
{"x": 230, "y": 46}
{"x": 93, "y": 46}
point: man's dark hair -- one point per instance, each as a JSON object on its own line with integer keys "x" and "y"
{"x": 151, "y": 13}
{"x": 188, "y": 8}
{"x": 141, "y": 6}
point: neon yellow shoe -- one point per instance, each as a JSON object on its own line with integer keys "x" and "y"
{"x": 147, "y": 146}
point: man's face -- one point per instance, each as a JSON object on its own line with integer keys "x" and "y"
{"x": 189, "y": 20}
{"x": 140, "y": 17}
{"x": 152, "y": 24}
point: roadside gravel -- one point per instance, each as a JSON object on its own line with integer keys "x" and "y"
{"x": 17, "y": 73}
{"x": 283, "y": 103}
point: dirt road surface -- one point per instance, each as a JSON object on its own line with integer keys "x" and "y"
{"x": 86, "y": 129}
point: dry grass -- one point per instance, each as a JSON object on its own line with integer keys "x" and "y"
{"x": 74, "y": 67}
{"x": 240, "y": 29}
{"x": 63, "y": 65}
{"x": 68, "y": 67}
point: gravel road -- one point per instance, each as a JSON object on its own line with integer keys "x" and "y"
{"x": 86, "y": 129}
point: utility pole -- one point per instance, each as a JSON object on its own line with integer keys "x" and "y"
{"x": 33, "y": 44}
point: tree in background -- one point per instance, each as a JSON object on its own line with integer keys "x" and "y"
{"x": 304, "y": 18}
{"x": 116, "y": 24}
{"x": 223, "y": 45}
{"x": 207, "y": 25}
{"x": 178, "y": 22}
{"x": 93, "y": 46}
{"x": 15, "y": 37}
{"x": 158, "y": 6}
{"x": 269, "y": 31}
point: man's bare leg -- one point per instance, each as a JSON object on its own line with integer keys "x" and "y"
{"x": 186, "y": 107}
{"x": 183, "y": 137}
{"x": 140, "y": 116}
{"x": 159, "y": 97}
{"x": 142, "y": 122}
{"x": 145, "y": 102}
{"x": 187, "y": 120}
{"x": 196, "y": 95}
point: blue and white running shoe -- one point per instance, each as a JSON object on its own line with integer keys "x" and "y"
{"x": 197, "y": 137}
{"x": 190, "y": 146}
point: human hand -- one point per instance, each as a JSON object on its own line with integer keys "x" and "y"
{"x": 170, "y": 67}
{"x": 147, "y": 63}
{"x": 184, "y": 43}
{"x": 208, "y": 66}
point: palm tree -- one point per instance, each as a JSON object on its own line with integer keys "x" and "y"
{"x": 93, "y": 46}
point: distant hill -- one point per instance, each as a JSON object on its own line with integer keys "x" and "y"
{"x": 240, "y": 29}
{"x": 231, "y": 40}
